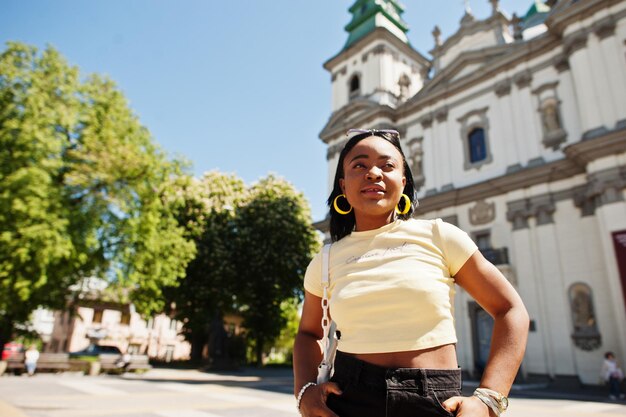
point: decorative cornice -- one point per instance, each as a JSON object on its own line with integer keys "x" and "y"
{"x": 468, "y": 29}
{"x": 603, "y": 187}
{"x": 611, "y": 143}
{"x": 546, "y": 86}
{"x": 566, "y": 14}
{"x": 357, "y": 112}
{"x": 335, "y": 149}
{"x": 574, "y": 43}
{"x": 430, "y": 95}
{"x": 560, "y": 62}
{"x": 441, "y": 114}
{"x": 542, "y": 207}
{"x": 503, "y": 88}
{"x": 518, "y": 214}
{"x": 577, "y": 157}
{"x": 475, "y": 112}
{"x": 379, "y": 34}
{"x": 526, "y": 177}
{"x": 604, "y": 28}
{"x": 523, "y": 79}
{"x": 426, "y": 121}
{"x": 464, "y": 59}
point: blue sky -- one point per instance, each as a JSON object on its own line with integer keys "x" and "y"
{"x": 236, "y": 86}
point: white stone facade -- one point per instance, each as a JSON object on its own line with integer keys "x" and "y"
{"x": 551, "y": 188}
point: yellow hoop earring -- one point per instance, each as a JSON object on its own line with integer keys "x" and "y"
{"x": 407, "y": 205}
{"x": 337, "y": 209}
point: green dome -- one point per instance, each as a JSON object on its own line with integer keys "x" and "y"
{"x": 366, "y": 17}
{"x": 537, "y": 14}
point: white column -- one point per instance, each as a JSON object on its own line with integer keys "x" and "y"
{"x": 554, "y": 297}
{"x": 613, "y": 61}
{"x": 569, "y": 107}
{"x": 538, "y": 358}
{"x": 504, "y": 130}
{"x": 612, "y": 217}
{"x": 518, "y": 126}
{"x": 588, "y": 103}
{"x": 601, "y": 82}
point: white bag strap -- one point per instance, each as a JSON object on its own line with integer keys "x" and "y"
{"x": 325, "y": 264}
{"x": 325, "y": 283}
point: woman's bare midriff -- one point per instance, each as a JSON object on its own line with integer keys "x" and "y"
{"x": 440, "y": 357}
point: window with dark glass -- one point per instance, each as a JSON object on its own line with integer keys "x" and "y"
{"x": 355, "y": 86}
{"x": 483, "y": 240}
{"x": 477, "y": 145}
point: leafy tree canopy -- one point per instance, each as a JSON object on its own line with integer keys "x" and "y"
{"x": 274, "y": 244}
{"x": 82, "y": 190}
{"x": 206, "y": 208}
{"x": 254, "y": 244}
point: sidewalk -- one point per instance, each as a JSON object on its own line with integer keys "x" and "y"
{"x": 281, "y": 380}
{"x": 558, "y": 389}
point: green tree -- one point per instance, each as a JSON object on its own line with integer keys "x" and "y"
{"x": 290, "y": 310}
{"x": 274, "y": 244}
{"x": 206, "y": 208}
{"x": 82, "y": 190}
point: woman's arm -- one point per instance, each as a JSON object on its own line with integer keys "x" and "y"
{"x": 486, "y": 284}
{"x": 307, "y": 355}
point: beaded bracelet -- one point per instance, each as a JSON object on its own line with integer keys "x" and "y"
{"x": 301, "y": 393}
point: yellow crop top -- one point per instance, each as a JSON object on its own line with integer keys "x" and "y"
{"x": 391, "y": 289}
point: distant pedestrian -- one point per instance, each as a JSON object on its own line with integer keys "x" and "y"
{"x": 613, "y": 375}
{"x": 124, "y": 361}
{"x": 31, "y": 356}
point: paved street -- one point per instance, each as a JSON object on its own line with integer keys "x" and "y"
{"x": 172, "y": 393}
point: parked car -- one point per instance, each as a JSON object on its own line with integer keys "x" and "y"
{"x": 96, "y": 350}
{"x": 10, "y": 349}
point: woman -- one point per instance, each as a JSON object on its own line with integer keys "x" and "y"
{"x": 391, "y": 295}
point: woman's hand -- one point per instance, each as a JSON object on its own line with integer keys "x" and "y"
{"x": 313, "y": 403}
{"x": 467, "y": 407}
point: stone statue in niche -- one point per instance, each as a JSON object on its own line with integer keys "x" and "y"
{"x": 582, "y": 311}
{"x": 550, "y": 117}
{"x": 553, "y": 132}
{"x": 414, "y": 160}
{"x": 586, "y": 335}
{"x": 404, "y": 83}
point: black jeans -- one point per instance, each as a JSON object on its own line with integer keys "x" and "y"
{"x": 373, "y": 391}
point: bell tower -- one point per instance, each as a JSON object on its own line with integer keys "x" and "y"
{"x": 376, "y": 66}
{"x": 374, "y": 73}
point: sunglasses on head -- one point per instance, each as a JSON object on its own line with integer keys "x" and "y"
{"x": 374, "y": 132}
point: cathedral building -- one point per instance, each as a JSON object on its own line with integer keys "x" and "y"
{"x": 515, "y": 130}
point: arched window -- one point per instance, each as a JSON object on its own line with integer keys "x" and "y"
{"x": 477, "y": 145}
{"x": 355, "y": 86}
{"x": 475, "y": 138}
